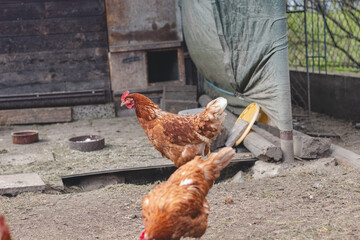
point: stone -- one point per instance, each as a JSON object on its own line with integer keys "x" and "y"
{"x": 18, "y": 183}
{"x": 263, "y": 169}
{"x": 310, "y": 147}
{"x": 93, "y": 111}
{"x": 239, "y": 177}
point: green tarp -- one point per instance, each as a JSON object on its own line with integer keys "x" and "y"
{"x": 240, "y": 46}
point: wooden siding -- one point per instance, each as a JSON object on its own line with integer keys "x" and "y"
{"x": 138, "y": 24}
{"x": 53, "y": 46}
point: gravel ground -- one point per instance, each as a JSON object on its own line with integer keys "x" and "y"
{"x": 308, "y": 200}
{"x": 126, "y": 145}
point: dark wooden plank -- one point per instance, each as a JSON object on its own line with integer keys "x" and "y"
{"x": 28, "y": 1}
{"x": 50, "y": 9}
{"x": 52, "y": 26}
{"x": 82, "y": 84}
{"x": 148, "y": 174}
{"x": 78, "y": 8}
{"x": 53, "y": 42}
{"x": 69, "y": 78}
{"x": 186, "y": 92}
{"x": 53, "y": 99}
{"x": 36, "y": 115}
{"x": 16, "y": 11}
{"x": 174, "y": 106}
{"x": 52, "y": 59}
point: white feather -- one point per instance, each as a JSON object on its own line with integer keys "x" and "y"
{"x": 186, "y": 182}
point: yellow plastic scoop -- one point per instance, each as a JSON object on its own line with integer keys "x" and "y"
{"x": 250, "y": 115}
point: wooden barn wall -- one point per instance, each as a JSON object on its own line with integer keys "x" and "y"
{"x": 53, "y": 46}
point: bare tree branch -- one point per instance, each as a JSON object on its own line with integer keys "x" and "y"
{"x": 333, "y": 37}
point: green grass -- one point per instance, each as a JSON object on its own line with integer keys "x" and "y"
{"x": 337, "y": 60}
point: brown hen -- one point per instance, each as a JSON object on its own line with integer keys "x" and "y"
{"x": 176, "y": 136}
{"x": 178, "y": 208}
{"x": 4, "y": 229}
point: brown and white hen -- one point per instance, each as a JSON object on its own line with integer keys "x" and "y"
{"x": 178, "y": 208}
{"x": 176, "y": 136}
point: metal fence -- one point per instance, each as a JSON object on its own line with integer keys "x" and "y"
{"x": 326, "y": 33}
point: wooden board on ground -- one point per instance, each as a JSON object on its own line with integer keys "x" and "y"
{"x": 35, "y": 115}
{"x": 18, "y": 183}
{"x": 345, "y": 157}
{"x": 145, "y": 175}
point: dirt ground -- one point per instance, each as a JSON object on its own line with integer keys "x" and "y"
{"x": 315, "y": 199}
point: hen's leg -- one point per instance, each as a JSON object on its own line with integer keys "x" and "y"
{"x": 206, "y": 150}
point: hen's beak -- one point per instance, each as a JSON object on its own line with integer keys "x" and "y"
{"x": 122, "y": 104}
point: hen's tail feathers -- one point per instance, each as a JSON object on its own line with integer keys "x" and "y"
{"x": 219, "y": 102}
{"x": 217, "y": 108}
{"x": 4, "y": 230}
{"x": 217, "y": 162}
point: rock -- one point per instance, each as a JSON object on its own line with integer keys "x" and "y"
{"x": 264, "y": 169}
{"x": 318, "y": 186}
{"x": 229, "y": 200}
{"x": 310, "y": 147}
{"x": 323, "y": 162}
{"x": 239, "y": 177}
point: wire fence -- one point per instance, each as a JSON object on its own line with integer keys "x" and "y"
{"x": 331, "y": 31}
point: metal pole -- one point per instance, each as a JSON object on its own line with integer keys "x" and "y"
{"x": 307, "y": 58}
{"x": 318, "y": 31}
{"x": 324, "y": 17}
{"x": 312, "y": 36}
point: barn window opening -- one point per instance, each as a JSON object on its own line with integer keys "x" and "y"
{"x": 162, "y": 66}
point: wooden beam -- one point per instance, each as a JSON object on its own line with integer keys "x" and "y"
{"x": 236, "y": 132}
{"x": 268, "y": 136}
{"x": 150, "y": 46}
{"x": 35, "y": 115}
{"x": 254, "y": 142}
{"x": 345, "y": 157}
{"x": 262, "y": 148}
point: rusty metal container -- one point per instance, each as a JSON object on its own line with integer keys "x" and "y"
{"x": 25, "y": 137}
{"x": 87, "y": 143}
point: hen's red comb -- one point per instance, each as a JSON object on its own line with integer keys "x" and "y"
{"x": 142, "y": 236}
{"x": 124, "y": 96}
